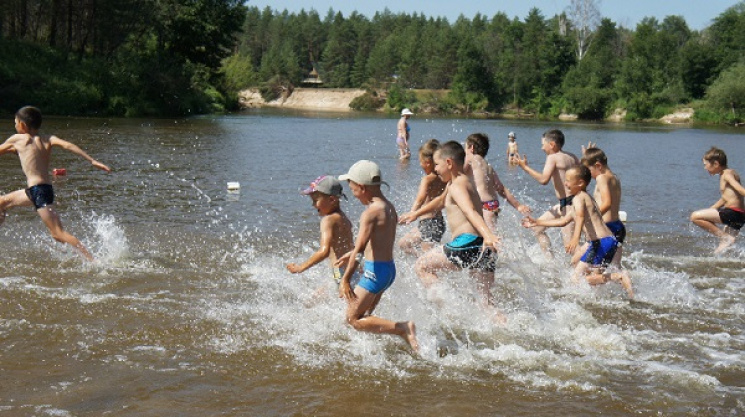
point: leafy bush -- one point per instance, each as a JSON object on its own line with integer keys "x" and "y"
{"x": 368, "y": 101}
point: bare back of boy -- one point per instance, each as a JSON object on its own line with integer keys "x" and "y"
{"x": 609, "y": 185}
{"x": 483, "y": 173}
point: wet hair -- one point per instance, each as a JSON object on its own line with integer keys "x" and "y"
{"x": 582, "y": 173}
{"x": 31, "y": 116}
{"x": 555, "y": 135}
{"x": 454, "y": 151}
{"x": 427, "y": 151}
{"x": 716, "y": 155}
{"x": 480, "y": 143}
{"x": 593, "y": 156}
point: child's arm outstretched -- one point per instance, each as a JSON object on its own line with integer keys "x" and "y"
{"x": 436, "y": 204}
{"x": 507, "y": 195}
{"x": 71, "y": 147}
{"x": 542, "y": 177}
{"x": 327, "y": 232}
{"x": 421, "y": 194}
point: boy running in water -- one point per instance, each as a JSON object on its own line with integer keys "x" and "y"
{"x": 336, "y": 229}
{"x": 35, "y": 152}
{"x": 376, "y": 237}
{"x": 431, "y": 226}
{"x": 729, "y": 209}
{"x": 554, "y": 170}
{"x": 474, "y": 244}
{"x": 601, "y": 244}
{"x": 486, "y": 179}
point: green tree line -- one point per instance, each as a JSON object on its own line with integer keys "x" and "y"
{"x": 164, "y": 57}
{"x": 497, "y": 63}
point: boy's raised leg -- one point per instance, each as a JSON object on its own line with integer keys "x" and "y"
{"x": 365, "y": 302}
{"x": 52, "y": 221}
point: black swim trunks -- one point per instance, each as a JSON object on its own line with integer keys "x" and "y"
{"x": 731, "y": 217}
{"x": 41, "y": 195}
{"x": 566, "y": 201}
{"x": 432, "y": 229}
{"x": 466, "y": 251}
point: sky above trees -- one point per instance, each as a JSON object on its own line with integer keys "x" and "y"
{"x": 697, "y": 13}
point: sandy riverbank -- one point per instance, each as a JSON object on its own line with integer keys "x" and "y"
{"x": 326, "y": 99}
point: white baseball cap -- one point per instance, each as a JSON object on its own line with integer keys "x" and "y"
{"x": 406, "y": 112}
{"x": 364, "y": 172}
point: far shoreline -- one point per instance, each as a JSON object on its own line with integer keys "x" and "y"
{"x": 337, "y": 100}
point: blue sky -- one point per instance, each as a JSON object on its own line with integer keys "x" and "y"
{"x": 697, "y": 13}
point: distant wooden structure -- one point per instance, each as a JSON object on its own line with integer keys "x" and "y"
{"x": 313, "y": 79}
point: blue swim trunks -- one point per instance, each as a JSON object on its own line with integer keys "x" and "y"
{"x": 377, "y": 276}
{"x": 601, "y": 251}
{"x": 618, "y": 229}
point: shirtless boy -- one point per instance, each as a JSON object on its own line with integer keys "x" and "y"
{"x": 432, "y": 225}
{"x": 486, "y": 179}
{"x": 377, "y": 234}
{"x": 474, "y": 244}
{"x": 557, "y": 163}
{"x": 728, "y": 210}
{"x": 512, "y": 150}
{"x": 35, "y": 152}
{"x": 607, "y": 195}
{"x": 601, "y": 244}
{"x": 336, "y": 229}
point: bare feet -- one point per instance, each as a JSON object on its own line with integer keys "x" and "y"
{"x": 724, "y": 243}
{"x": 625, "y": 280}
{"x": 409, "y": 334}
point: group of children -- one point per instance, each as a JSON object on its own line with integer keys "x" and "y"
{"x": 459, "y": 180}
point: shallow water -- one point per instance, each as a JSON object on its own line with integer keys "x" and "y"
{"x": 189, "y": 310}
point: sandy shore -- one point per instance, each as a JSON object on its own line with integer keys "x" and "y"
{"x": 326, "y": 99}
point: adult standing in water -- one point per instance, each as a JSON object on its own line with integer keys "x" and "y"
{"x": 403, "y": 135}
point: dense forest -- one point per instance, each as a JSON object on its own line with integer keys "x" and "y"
{"x": 166, "y": 57}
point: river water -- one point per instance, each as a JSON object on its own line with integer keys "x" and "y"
{"x": 189, "y": 310}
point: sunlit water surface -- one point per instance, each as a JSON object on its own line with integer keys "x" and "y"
{"x": 190, "y": 311}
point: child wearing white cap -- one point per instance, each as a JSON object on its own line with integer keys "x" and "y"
{"x": 376, "y": 236}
